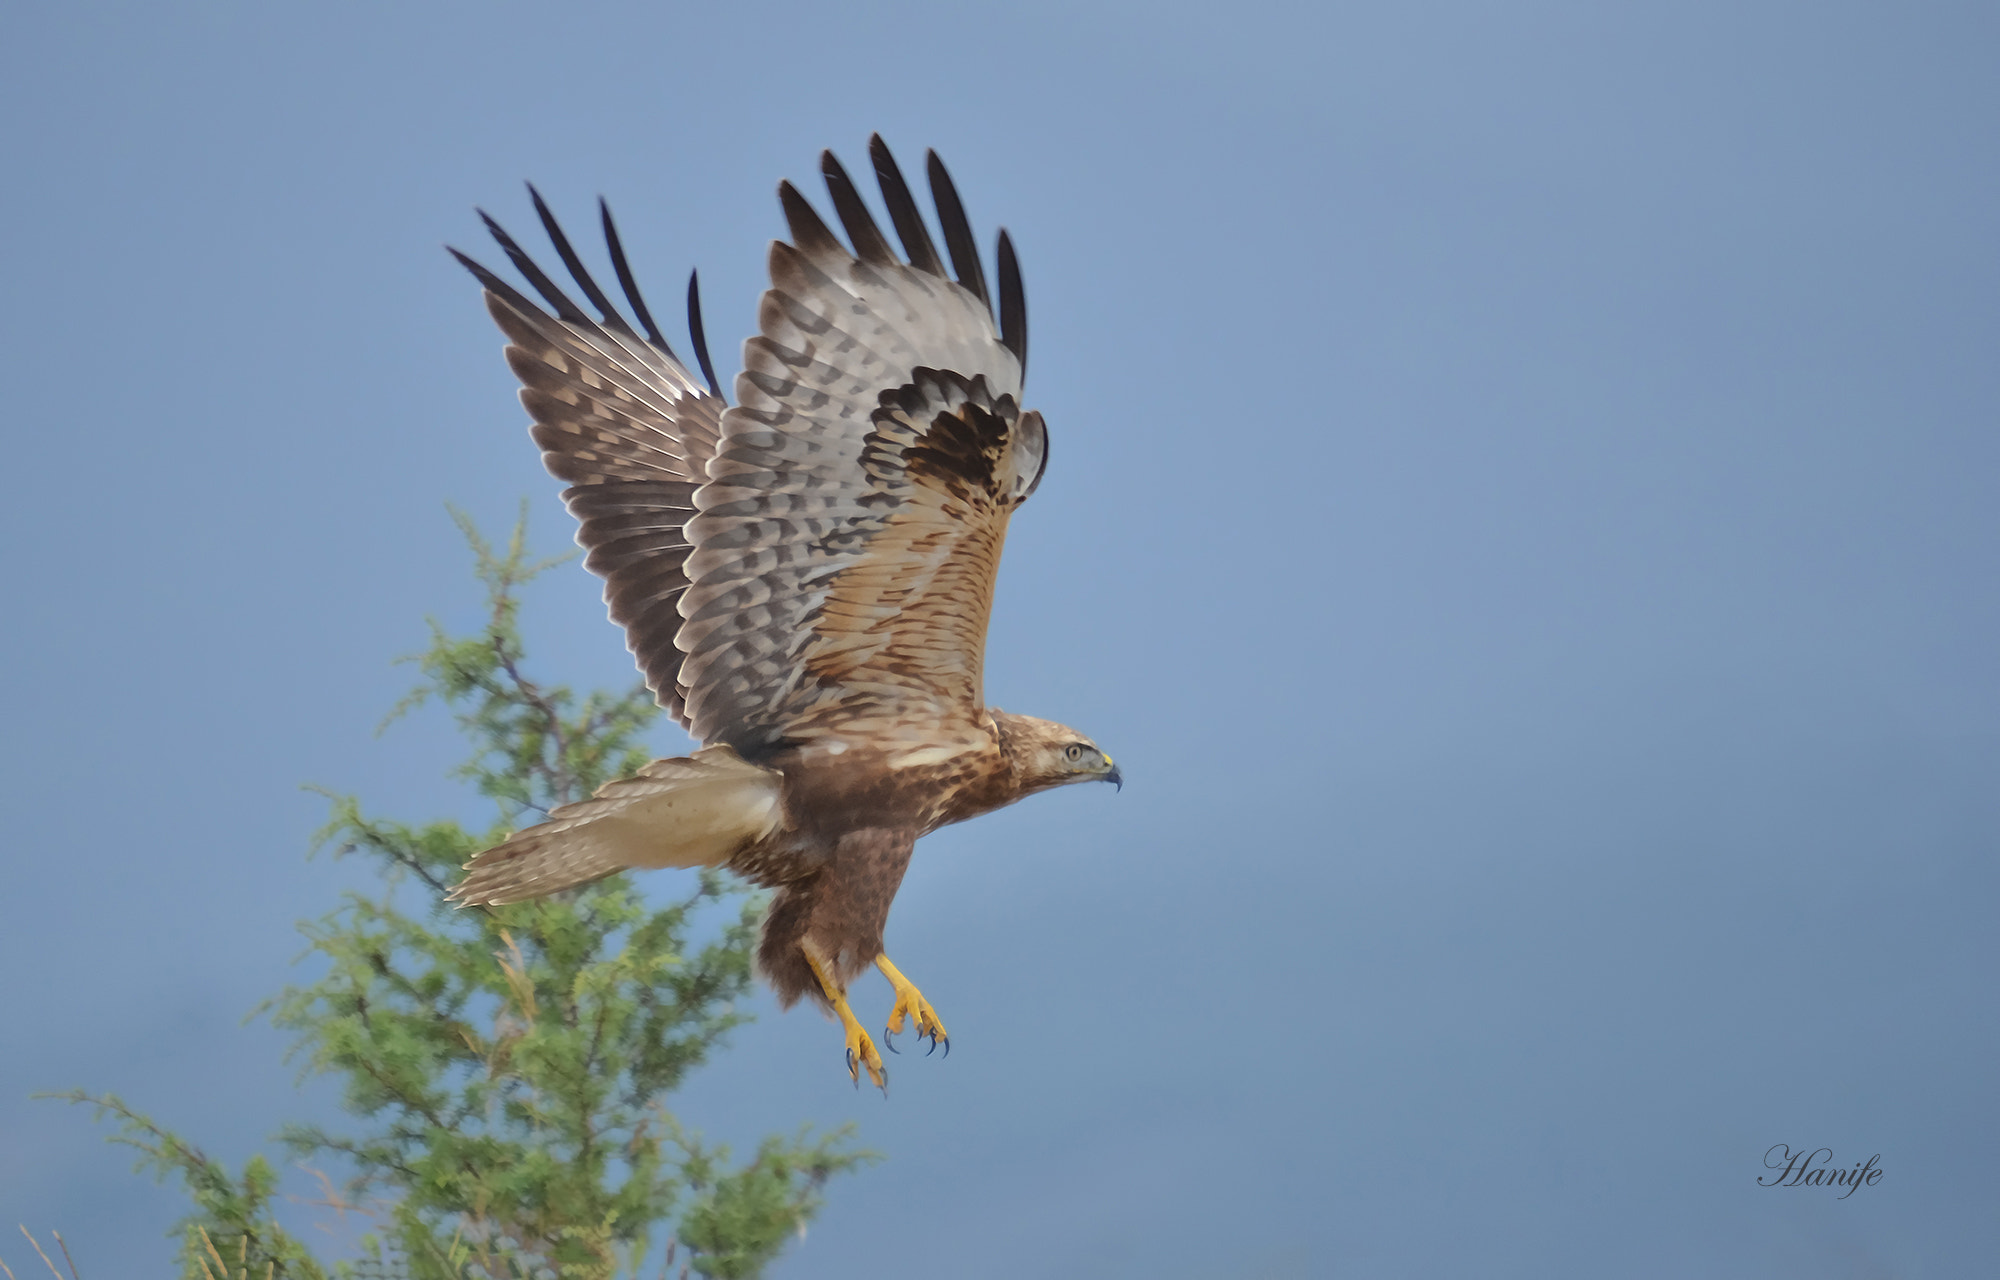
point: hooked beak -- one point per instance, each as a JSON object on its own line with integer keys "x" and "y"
{"x": 1115, "y": 778}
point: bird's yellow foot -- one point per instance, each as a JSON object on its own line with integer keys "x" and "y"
{"x": 910, "y": 1003}
{"x": 861, "y": 1052}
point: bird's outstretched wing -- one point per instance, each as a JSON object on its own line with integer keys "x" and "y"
{"x": 847, "y": 538}
{"x": 619, "y": 417}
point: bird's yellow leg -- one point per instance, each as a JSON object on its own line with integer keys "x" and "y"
{"x": 910, "y": 1002}
{"x": 860, "y": 1049}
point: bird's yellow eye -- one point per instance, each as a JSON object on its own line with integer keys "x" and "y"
{"x": 1074, "y": 752}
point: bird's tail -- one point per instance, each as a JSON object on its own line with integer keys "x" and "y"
{"x": 694, "y": 811}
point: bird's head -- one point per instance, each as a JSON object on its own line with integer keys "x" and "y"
{"x": 1047, "y": 754}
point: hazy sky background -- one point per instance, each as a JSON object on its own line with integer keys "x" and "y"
{"x": 1523, "y": 514}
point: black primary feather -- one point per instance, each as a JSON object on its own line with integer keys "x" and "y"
{"x": 869, "y": 246}
{"x": 558, "y": 301}
{"x": 809, "y": 231}
{"x": 1013, "y": 304}
{"x": 494, "y": 284}
{"x": 700, "y": 336}
{"x": 627, "y": 283}
{"x": 577, "y": 270}
{"x": 903, "y": 212}
{"x": 957, "y": 231}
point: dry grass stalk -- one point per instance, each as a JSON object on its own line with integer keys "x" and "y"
{"x": 66, "y": 1258}
{"x": 38, "y": 1249}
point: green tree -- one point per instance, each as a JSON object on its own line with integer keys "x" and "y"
{"x": 509, "y": 1065}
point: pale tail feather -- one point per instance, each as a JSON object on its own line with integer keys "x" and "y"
{"x": 689, "y": 812}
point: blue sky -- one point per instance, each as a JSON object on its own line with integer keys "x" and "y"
{"x": 1522, "y": 511}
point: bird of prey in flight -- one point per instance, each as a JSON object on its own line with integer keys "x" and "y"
{"x": 804, "y": 577}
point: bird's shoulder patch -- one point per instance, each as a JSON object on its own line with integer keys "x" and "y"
{"x": 949, "y": 432}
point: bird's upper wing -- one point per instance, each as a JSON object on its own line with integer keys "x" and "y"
{"x": 619, "y": 417}
{"x": 851, "y": 526}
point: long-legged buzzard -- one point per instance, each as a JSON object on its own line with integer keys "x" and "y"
{"x": 804, "y": 578}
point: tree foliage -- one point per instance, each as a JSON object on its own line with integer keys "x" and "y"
{"x": 508, "y": 1066}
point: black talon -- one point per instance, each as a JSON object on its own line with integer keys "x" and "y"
{"x": 889, "y": 1039}
{"x": 933, "y": 1049}
{"x": 853, "y": 1072}
{"x": 947, "y": 1047}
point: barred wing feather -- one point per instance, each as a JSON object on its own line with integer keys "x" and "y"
{"x": 620, "y": 417}
{"x": 847, "y": 540}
